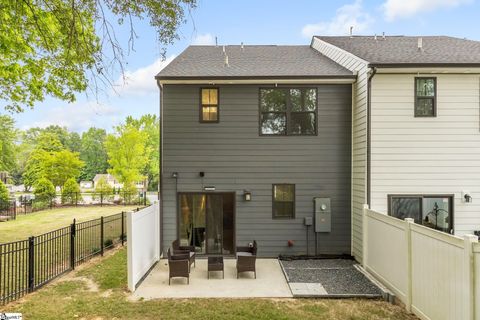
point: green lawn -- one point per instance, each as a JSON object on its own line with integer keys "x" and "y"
{"x": 48, "y": 220}
{"x": 98, "y": 291}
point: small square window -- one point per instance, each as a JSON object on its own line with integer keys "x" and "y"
{"x": 425, "y": 97}
{"x": 283, "y": 205}
{"x": 209, "y": 105}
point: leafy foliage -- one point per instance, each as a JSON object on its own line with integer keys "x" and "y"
{"x": 127, "y": 153}
{"x": 7, "y": 143}
{"x": 150, "y": 125}
{"x": 60, "y": 47}
{"x": 4, "y": 194}
{"x": 103, "y": 191}
{"x": 44, "y": 190}
{"x": 93, "y": 153}
{"x": 61, "y": 166}
{"x": 71, "y": 192}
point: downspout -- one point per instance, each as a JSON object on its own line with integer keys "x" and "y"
{"x": 372, "y": 72}
{"x": 160, "y": 171}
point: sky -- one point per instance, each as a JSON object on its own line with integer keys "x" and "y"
{"x": 251, "y": 22}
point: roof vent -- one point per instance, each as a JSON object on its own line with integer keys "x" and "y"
{"x": 383, "y": 35}
{"x": 226, "y": 61}
{"x": 223, "y": 49}
{"x": 241, "y": 46}
{"x": 375, "y": 37}
{"x": 351, "y": 31}
{"x": 216, "y": 41}
{"x": 420, "y": 44}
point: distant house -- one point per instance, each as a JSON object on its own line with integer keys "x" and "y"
{"x": 86, "y": 184}
{"x": 114, "y": 183}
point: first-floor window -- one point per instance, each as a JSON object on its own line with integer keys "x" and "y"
{"x": 433, "y": 211}
{"x": 283, "y": 205}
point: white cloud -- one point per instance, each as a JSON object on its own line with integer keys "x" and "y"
{"x": 204, "y": 39}
{"x": 345, "y": 17}
{"x": 78, "y": 117}
{"x": 141, "y": 81}
{"x": 394, "y": 9}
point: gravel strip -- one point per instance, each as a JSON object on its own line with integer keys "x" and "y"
{"x": 336, "y": 276}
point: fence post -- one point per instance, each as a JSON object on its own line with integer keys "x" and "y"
{"x": 408, "y": 240}
{"x": 469, "y": 284}
{"x": 72, "y": 244}
{"x": 365, "y": 237}
{"x": 101, "y": 235}
{"x": 31, "y": 264}
{"x": 123, "y": 229}
{"x": 15, "y": 210}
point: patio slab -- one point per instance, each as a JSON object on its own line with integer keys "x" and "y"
{"x": 270, "y": 282}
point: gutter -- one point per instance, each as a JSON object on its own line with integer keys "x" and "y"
{"x": 372, "y": 73}
{"x": 160, "y": 184}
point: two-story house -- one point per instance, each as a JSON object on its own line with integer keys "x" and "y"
{"x": 252, "y": 134}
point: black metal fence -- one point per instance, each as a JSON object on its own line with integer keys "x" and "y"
{"x": 29, "y": 205}
{"x": 8, "y": 210}
{"x": 29, "y": 264}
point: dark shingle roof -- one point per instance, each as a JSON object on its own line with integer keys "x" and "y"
{"x": 259, "y": 61}
{"x": 403, "y": 50}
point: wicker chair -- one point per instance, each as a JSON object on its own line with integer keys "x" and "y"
{"x": 246, "y": 259}
{"x": 189, "y": 250}
{"x": 178, "y": 266}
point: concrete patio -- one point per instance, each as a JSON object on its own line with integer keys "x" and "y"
{"x": 270, "y": 282}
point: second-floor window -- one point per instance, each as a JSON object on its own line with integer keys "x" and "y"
{"x": 288, "y": 111}
{"x": 425, "y": 97}
{"x": 209, "y": 105}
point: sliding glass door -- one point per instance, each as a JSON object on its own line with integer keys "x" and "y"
{"x": 206, "y": 221}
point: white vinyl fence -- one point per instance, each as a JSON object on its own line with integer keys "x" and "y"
{"x": 435, "y": 274}
{"x": 143, "y": 245}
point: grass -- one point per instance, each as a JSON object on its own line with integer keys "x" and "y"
{"x": 98, "y": 291}
{"x": 47, "y": 220}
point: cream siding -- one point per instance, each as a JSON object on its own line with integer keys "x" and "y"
{"x": 359, "y": 135}
{"x": 438, "y": 155}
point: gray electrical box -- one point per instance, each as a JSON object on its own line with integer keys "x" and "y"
{"x": 323, "y": 215}
{"x": 308, "y": 221}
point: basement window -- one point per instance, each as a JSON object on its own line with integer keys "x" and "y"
{"x": 433, "y": 211}
{"x": 425, "y": 97}
{"x": 209, "y": 110}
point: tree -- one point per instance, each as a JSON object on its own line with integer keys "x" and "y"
{"x": 8, "y": 135}
{"x": 59, "y": 47}
{"x": 93, "y": 153}
{"x": 4, "y": 194}
{"x": 127, "y": 154}
{"x": 44, "y": 190}
{"x": 35, "y": 167}
{"x": 71, "y": 192}
{"x": 103, "y": 191}
{"x": 63, "y": 165}
{"x": 150, "y": 125}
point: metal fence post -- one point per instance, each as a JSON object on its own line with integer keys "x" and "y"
{"x": 122, "y": 236}
{"x": 101, "y": 235}
{"x": 31, "y": 264}
{"x": 72, "y": 244}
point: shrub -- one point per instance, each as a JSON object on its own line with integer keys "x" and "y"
{"x": 40, "y": 205}
{"x": 129, "y": 193}
{"x": 4, "y": 194}
{"x": 71, "y": 192}
{"x": 108, "y": 243}
{"x": 103, "y": 191}
{"x": 44, "y": 190}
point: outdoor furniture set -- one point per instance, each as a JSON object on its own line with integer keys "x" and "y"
{"x": 181, "y": 258}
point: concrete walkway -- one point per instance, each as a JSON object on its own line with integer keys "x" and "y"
{"x": 270, "y": 282}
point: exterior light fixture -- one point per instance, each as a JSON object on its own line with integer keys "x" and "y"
{"x": 247, "y": 195}
{"x": 466, "y": 196}
{"x": 175, "y": 175}
{"x": 209, "y": 188}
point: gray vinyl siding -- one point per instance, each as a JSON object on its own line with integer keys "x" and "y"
{"x": 235, "y": 158}
{"x": 359, "y": 135}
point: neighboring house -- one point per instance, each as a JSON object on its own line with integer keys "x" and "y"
{"x": 86, "y": 184}
{"x": 416, "y": 128}
{"x": 392, "y": 122}
{"x": 114, "y": 183}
